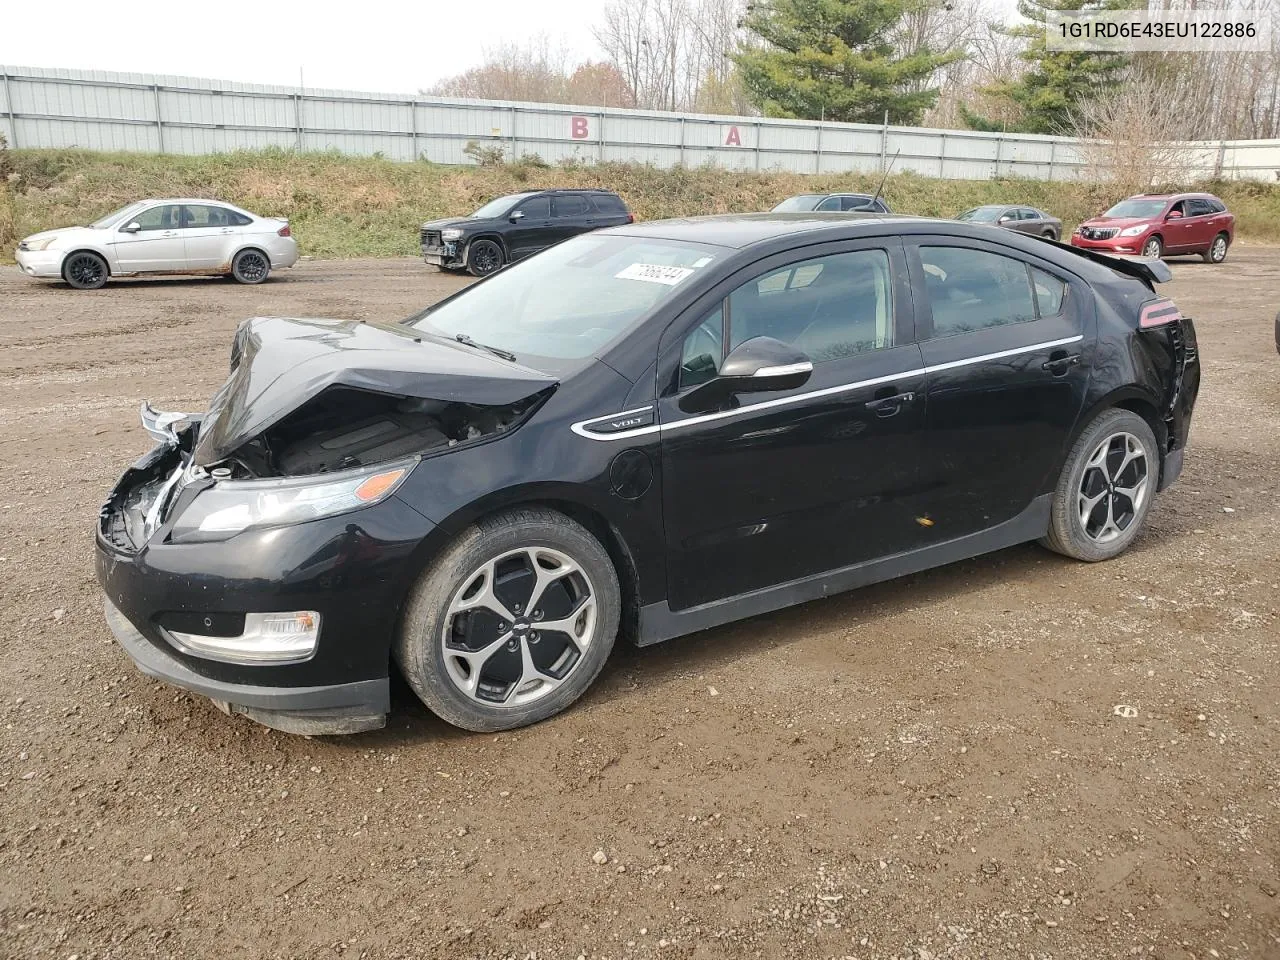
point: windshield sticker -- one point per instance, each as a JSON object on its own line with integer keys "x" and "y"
{"x": 701, "y": 262}
{"x": 654, "y": 273}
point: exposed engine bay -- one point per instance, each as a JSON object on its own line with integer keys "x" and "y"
{"x": 345, "y": 427}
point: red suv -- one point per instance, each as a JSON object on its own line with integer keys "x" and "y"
{"x": 1156, "y": 225}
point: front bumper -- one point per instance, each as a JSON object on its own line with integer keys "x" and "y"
{"x": 1117, "y": 244}
{"x": 354, "y": 569}
{"x": 40, "y": 263}
{"x": 442, "y": 255}
{"x": 314, "y": 710}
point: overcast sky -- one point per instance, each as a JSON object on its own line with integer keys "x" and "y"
{"x": 387, "y": 46}
{"x": 383, "y": 46}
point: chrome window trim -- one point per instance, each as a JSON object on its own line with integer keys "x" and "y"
{"x": 581, "y": 427}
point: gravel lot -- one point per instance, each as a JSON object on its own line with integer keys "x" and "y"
{"x": 926, "y": 768}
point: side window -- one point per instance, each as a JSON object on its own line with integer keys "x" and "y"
{"x": 1198, "y": 208}
{"x": 202, "y": 216}
{"x": 159, "y": 218}
{"x": 1050, "y": 293}
{"x": 1026, "y": 213}
{"x": 829, "y": 308}
{"x": 1218, "y": 206}
{"x": 971, "y": 290}
{"x": 831, "y": 203}
{"x": 703, "y": 350}
{"x": 238, "y": 219}
{"x": 570, "y": 205}
{"x": 536, "y": 208}
{"x": 855, "y": 203}
{"x": 607, "y": 203}
{"x": 1179, "y": 207}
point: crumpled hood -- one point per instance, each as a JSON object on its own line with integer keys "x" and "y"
{"x": 279, "y": 363}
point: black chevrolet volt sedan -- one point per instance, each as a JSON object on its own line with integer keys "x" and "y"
{"x": 639, "y": 433}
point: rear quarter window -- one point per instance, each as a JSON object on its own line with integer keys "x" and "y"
{"x": 608, "y": 203}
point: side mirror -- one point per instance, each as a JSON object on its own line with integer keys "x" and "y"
{"x": 132, "y": 226}
{"x": 1174, "y": 215}
{"x": 518, "y": 215}
{"x": 759, "y": 365}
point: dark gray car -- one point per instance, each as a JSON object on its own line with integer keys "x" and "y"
{"x": 1022, "y": 219}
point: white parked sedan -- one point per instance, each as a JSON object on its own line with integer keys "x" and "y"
{"x": 162, "y": 236}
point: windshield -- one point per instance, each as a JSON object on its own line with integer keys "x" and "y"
{"x": 982, "y": 214}
{"x": 805, "y": 202}
{"x": 120, "y": 214}
{"x": 1137, "y": 208}
{"x": 496, "y": 208}
{"x": 571, "y": 300}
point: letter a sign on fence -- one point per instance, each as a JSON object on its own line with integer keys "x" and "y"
{"x": 733, "y": 138}
{"x": 578, "y": 128}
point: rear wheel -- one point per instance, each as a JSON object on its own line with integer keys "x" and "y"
{"x": 1105, "y": 489}
{"x": 512, "y": 622}
{"x": 1217, "y": 251}
{"x": 483, "y": 258}
{"x": 1153, "y": 249}
{"x": 85, "y": 270}
{"x": 250, "y": 266}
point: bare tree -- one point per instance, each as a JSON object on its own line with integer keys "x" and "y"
{"x": 1126, "y": 142}
{"x": 536, "y": 72}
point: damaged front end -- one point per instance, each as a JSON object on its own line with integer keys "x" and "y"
{"x": 265, "y": 535}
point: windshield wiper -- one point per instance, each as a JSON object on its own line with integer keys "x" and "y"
{"x": 496, "y": 351}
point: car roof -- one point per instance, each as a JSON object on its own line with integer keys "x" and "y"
{"x": 739, "y": 230}
{"x": 1172, "y": 196}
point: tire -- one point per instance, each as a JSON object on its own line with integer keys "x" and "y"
{"x": 483, "y": 258}
{"x": 85, "y": 270}
{"x": 1120, "y": 497}
{"x": 1217, "y": 251}
{"x": 1050, "y": 235}
{"x": 479, "y": 671}
{"x": 1153, "y": 249}
{"x": 250, "y": 266}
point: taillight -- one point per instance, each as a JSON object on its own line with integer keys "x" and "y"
{"x": 284, "y": 231}
{"x": 631, "y": 218}
{"x": 1157, "y": 313}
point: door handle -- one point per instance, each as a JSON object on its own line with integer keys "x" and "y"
{"x": 888, "y": 406}
{"x": 1059, "y": 363}
{"x": 169, "y": 233}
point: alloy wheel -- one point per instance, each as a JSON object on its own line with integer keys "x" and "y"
{"x": 85, "y": 270}
{"x": 486, "y": 258}
{"x": 1151, "y": 249}
{"x": 1218, "y": 252}
{"x": 251, "y": 266}
{"x": 1113, "y": 487}
{"x": 518, "y": 626}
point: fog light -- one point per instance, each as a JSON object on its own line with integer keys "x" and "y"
{"x": 267, "y": 638}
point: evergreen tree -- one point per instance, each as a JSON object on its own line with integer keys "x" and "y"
{"x": 834, "y": 59}
{"x": 1056, "y": 81}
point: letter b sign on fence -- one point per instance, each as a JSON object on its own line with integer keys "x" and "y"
{"x": 578, "y": 129}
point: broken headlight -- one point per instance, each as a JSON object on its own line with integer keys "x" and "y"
{"x": 233, "y": 506}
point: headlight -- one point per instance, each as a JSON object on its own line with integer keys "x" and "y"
{"x": 1134, "y": 231}
{"x": 451, "y": 233}
{"x": 233, "y": 506}
{"x": 39, "y": 244}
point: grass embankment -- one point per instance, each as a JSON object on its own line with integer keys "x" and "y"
{"x": 362, "y": 207}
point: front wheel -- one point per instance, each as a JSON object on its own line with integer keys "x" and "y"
{"x": 85, "y": 270}
{"x": 1050, "y": 234}
{"x": 1217, "y": 251}
{"x": 1153, "y": 248}
{"x": 512, "y": 622}
{"x": 1106, "y": 488}
{"x": 250, "y": 266}
{"x": 483, "y": 258}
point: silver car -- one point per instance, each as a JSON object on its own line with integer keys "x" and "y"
{"x": 202, "y": 237}
{"x": 1022, "y": 219}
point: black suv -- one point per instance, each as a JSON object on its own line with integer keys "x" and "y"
{"x": 518, "y": 225}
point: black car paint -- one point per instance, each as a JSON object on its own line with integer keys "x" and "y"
{"x": 525, "y": 235}
{"x": 714, "y": 518}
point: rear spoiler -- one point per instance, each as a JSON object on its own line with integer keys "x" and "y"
{"x": 1149, "y": 272}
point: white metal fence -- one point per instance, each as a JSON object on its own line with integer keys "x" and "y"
{"x": 150, "y": 113}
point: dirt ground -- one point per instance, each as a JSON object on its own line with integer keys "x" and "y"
{"x": 927, "y": 768}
